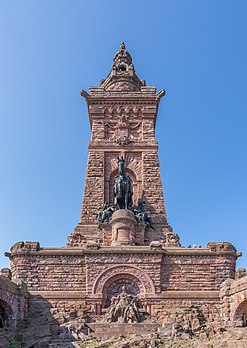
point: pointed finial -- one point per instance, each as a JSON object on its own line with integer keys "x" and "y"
{"x": 122, "y": 46}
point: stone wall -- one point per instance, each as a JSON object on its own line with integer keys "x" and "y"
{"x": 196, "y": 271}
{"x": 93, "y": 198}
{"x": 194, "y": 313}
{"x": 50, "y": 272}
{"x": 172, "y": 269}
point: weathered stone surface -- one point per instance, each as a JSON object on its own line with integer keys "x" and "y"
{"x": 13, "y": 302}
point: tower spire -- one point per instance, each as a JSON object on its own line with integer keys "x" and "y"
{"x": 122, "y": 46}
{"x": 122, "y": 75}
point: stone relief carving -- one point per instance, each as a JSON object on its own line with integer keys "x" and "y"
{"x": 171, "y": 239}
{"x": 133, "y": 162}
{"x": 123, "y": 269}
{"x": 124, "y": 85}
{"x": 123, "y": 309}
{"x": 77, "y": 240}
{"x": 122, "y": 126}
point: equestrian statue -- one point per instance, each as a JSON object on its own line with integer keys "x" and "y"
{"x": 122, "y": 199}
{"x": 122, "y": 190}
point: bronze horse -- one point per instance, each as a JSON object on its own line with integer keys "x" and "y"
{"x": 122, "y": 190}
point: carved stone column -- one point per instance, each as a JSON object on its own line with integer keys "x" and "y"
{"x": 123, "y": 224}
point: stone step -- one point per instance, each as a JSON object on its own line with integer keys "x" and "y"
{"x": 104, "y": 330}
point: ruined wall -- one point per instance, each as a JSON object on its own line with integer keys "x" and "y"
{"x": 13, "y": 300}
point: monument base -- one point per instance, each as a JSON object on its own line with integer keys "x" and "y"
{"x": 124, "y": 226}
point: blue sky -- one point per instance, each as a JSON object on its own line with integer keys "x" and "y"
{"x": 194, "y": 49}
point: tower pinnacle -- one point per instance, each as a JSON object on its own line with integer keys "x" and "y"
{"x": 122, "y": 46}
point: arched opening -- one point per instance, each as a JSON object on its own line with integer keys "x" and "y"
{"x": 6, "y": 315}
{"x": 3, "y": 317}
{"x": 121, "y": 67}
{"x": 114, "y": 286}
{"x": 240, "y": 317}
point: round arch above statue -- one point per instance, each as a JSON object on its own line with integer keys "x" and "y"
{"x": 138, "y": 281}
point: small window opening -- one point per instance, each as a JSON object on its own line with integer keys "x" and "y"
{"x": 122, "y": 68}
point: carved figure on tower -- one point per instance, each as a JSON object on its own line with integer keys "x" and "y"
{"x": 122, "y": 190}
{"x": 141, "y": 215}
{"x": 106, "y": 213}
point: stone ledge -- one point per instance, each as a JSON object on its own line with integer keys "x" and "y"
{"x": 178, "y": 295}
{"x": 116, "y": 329}
{"x": 175, "y": 295}
{"x": 67, "y": 251}
{"x": 60, "y": 294}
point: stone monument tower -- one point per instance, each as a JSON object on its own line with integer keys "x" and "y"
{"x": 122, "y": 113}
{"x": 123, "y": 263}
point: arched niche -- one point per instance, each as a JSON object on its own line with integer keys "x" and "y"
{"x": 115, "y": 285}
{"x": 109, "y": 184}
{"x": 6, "y": 316}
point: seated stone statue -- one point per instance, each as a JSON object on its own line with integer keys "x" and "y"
{"x": 123, "y": 309}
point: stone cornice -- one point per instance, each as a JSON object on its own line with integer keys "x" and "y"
{"x": 133, "y": 147}
{"x": 177, "y": 252}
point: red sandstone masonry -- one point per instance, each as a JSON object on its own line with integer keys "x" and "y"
{"x": 197, "y": 272}
{"x": 50, "y": 272}
{"x": 46, "y": 270}
{"x": 122, "y": 115}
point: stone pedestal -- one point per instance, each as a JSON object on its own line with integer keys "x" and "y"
{"x": 124, "y": 225}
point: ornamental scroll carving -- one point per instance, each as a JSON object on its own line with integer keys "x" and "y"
{"x": 143, "y": 277}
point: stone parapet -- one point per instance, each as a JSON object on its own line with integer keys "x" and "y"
{"x": 171, "y": 251}
{"x": 171, "y": 269}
